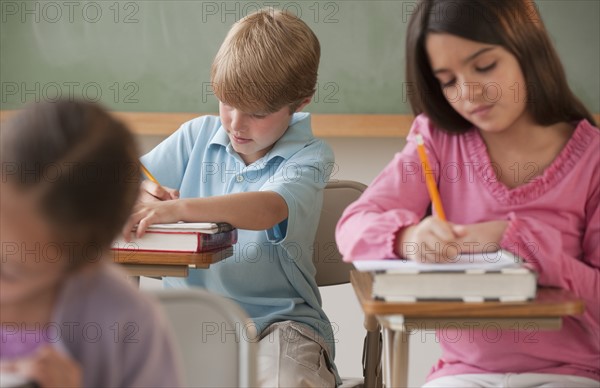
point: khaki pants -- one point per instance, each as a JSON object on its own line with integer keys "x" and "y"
{"x": 290, "y": 355}
{"x": 510, "y": 380}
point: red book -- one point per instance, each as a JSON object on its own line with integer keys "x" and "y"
{"x": 182, "y": 237}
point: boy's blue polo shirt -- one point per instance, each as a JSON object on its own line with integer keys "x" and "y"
{"x": 271, "y": 273}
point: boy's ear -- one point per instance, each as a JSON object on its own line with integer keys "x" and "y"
{"x": 304, "y": 102}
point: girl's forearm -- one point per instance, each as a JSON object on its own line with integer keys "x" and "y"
{"x": 251, "y": 210}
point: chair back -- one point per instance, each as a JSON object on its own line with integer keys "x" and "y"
{"x": 215, "y": 338}
{"x": 331, "y": 269}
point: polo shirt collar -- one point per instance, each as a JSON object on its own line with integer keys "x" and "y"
{"x": 297, "y": 135}
{"x": 220, "y": 137}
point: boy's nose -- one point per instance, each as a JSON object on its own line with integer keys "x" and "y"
{"x": 238, "y": 122}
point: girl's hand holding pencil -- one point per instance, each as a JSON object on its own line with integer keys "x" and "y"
{"x": 434, "y": 239}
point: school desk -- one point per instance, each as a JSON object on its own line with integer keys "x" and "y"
{"x": 398, "y": 320}
{"x": 159, "y": 264}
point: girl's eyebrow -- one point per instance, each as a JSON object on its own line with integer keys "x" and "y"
{"x": 467, "y": 59}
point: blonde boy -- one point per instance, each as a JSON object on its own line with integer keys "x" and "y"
{"x": 258, "y": 167}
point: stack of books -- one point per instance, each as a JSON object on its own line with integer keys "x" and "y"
{"x": 181, "y": 238}
{"x": 496, "y": 276}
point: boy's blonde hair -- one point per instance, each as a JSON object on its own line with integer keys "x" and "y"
{"x": 268, "y": 60}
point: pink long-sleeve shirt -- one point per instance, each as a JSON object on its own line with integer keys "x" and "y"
{"x": 554, "y": 224}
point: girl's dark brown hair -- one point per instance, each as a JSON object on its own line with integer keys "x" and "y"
{"x": 513, "y": 24}
{"x": 82, "y": 164}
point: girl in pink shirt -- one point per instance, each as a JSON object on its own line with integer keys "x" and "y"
{"x": 516, "y": 158}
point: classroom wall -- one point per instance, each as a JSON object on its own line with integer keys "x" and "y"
{"x": 359, "y": 160}
{"x": 155, "y": 56}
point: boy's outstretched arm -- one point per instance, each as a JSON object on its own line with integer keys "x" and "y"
{"x": 257, "y": 210}
{"x": 250, "y": 210}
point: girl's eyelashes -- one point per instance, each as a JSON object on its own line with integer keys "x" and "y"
{"x": 486, "y": 68}
{"x": 478, "y": 69}
{"x": 448, "y": 84}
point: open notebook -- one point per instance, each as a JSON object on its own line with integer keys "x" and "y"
{"x": 476, "y": 262}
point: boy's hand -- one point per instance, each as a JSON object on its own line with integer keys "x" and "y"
{"x": 48, "y": 368}
{"x": 431, "y": 240}
{"x": 151, "y": 192}
{"x": 149, "y": 213}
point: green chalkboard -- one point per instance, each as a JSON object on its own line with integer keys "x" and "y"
{"x": 154, "y": 56}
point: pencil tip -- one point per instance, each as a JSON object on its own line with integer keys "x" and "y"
{"x": 419, "y": 139}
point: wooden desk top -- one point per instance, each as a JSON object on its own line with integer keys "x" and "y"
{"x": 549, "y": 302}
{"x": 196, "y": 260}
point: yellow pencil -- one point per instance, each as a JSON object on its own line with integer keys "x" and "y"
{"x": 148, "y": 174}
{"x": 429, "y": 180}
